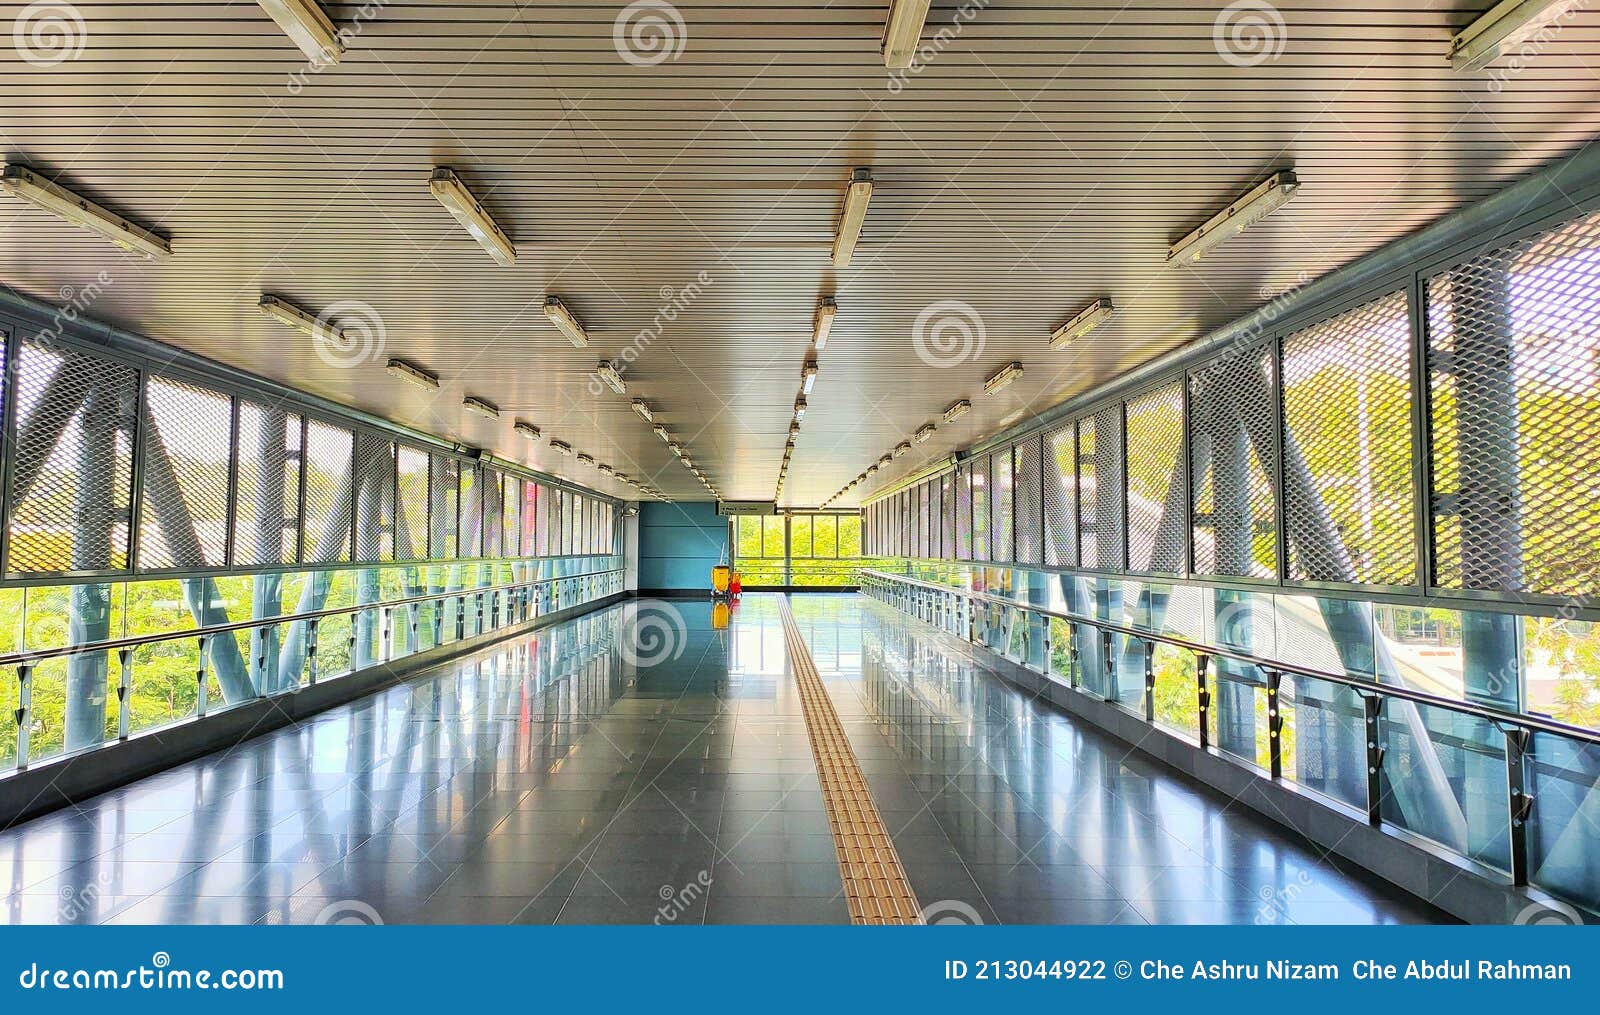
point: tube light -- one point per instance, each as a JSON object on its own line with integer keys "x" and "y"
{"x": 1087, "y": 319}
{"x": 902, "y": 33}
{"x": 472, "y": 403}
{"x": 800, "y": 408}
{"x": 287, "y": 313}
{"x": 808, "y": 377}
{"x": 608, "y": 373}
{"x": 1001, "y": 378}
{"x": 957, "y": 410}
{"x": 308, "y": 26}
{"x": 872, "y": 470}
{"x": 585, "y": 459}
{"x": 664, "y": 433}
{"x": 675, "y": 448}
{"x": 923, "y": 433}
{"x": 449, "y": 191}
{"x": 527, "y": 430}
{"x": 22, "y": 182}
{"x": 606, "y": 469}
{"x": 413, "y": 373}
{"x": 1502, "y": 28}
{"x": 901, "y": 449}
{"x": 794, "y": 428}
{"x": 823, "y": 323}
{"x": 851, "y": 216}
{"x": 642, "y": 409}
{"x": 561, "y": 447}
{"x": 562, "y": 318}
{"x": 885, "y": 460}
{"x": 1262, "y": 200}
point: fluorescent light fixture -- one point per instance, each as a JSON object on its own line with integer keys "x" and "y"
{"x": 822, "y": 324}
{"x": 675, "y": 448}
{"x": 411, "y": 372}
{"x": 562, "y": 318}
{"x": 872, "y": 470}
{"x": 800, "y": 408}
{"x": 808, "y": 377}
{"x": 472, "y": 403}
{"x": 448, "y": 189}
{"x": 1087, "y": 319}
{"x": 664, "y": 434}
{"x": 606, "y": 469}
{"x": 527, "y": 430}
{"x": 902, "y": 449}
{"x": 561, "y": 447}
{"x": 902, "y": 33}
{"x": 299, "y": 319}
{"x": 641, "y": 408}
{"x": 1502, "y": 28}
{"x": 923, "y": 433}
{"x": 22, "y": 182}
{"x": 608, "y": 373}
{"x": 957, "y": 410}
{"x": 585, "y": 459}
{"x": 1262, "y": 200}
{"x": 308, "y": 26}
{"x": 851, "y": 216}
{"x": 1003, "y": 377}
{"x": 794, "y": 428}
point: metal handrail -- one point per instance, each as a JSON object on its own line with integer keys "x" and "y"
{"x": 31, "y": 658}
{"x": 1531, "y": 723}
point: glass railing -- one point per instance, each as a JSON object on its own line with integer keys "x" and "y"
{"x": 1516, "y": 793}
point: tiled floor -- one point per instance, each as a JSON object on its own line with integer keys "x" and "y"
{"x": 559, "y": 779}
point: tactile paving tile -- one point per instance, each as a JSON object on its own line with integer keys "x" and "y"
{"x": 875, "y": 885}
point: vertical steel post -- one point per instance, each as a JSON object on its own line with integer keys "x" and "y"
{"x": 1274, "y": 724}
{"x": 1519, "y": 800}
{"x": 1372, "y": 707}
{"x": 24, "y": 712}
{"x": 202, "y": 693}
{"x": 1203, "y": 697}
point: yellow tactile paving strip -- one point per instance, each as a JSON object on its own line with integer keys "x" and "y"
{"x": 875, "y": 884}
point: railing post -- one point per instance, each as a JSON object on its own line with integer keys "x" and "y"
{"x": 1110, "y": 667}
{"x": 1203, "y": 695}
{"x": 1149, "y": 680}
{"x": 124, "y": 693}
{"x": 1372, "y": 708}
{"x": 437, "y": 608}
{"x": 24, "y": 711}
{"x": 1274, "y": 724}
{"x": 388, "y": 633}
{"x": 461, "y": 616}
{"x": 1519, "y": 800}
{"x": 1044, "y": 638}
{"x": 202, "y": 693}
{"x": 311, "y": 650}
{"x": 1072, "y": 654}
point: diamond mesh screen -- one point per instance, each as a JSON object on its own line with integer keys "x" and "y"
{"x": 1061, "y": 497}
{"x": 411, "y": 516}
{"x": 530, "y": 515}
{"x": 183, "y": 521}
{"x": 328, "y": 487}
{"x": 982, "y": 514}
{"x": 1231, "y": 437}
{"x": 1348, "y": 488}
{"x": 1002, "y": 504}
{"x": 1513, "y": 356}
{"x": 493, "y": 514}
{"x": 1029, "y": 520}
{"x": 1156, "y": 486}
{"x": 541, "y": 527}
{"x": 927, "y": 514}
{"x": 443, "y": 508}
{"x": 1100, "y": 488}
{"x": 374, "y": 498}
{"x": 266, "y": 520}
{"x": 470, "y": 534}
{"x": 72, "y": 488}
{"x": 964, "y": 512}
{"x": 510, "y": 527}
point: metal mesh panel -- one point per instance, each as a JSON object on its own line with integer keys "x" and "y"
{"x": 1100, "y": 489}
{"x": 1030, "y": 525}
{"x": 266, "y": 519}
{"x": 1348, "y": 487}
{"x": 493, "y": 514}
{"x": 188, "y": 440}
{"x": 443, "y": 509}
{"x": 1156, "y": 481}
{"x": 1001, "y": 506}
{"x": 510, "y": 527}
{"x": 1231, "y": 440}
{"x": 411, "y": 516}
{"x": 1513, "y": 355}
{"x": 982, "y": 520}
{"x": 1061, "y": 497}
{"x": 943, "y": 537}
{"x": 469, "y": 541}
{"x": 374, "y": 498}
{"x": 72, "y": 488}
{"x": 541, "y": 525}
{"x": 925, "y": 518}
{"x": 328, "y": 486}
{"x": 558, "y": 524}
{"x": 903, "y": 520}
{"x": 964, "y": 512}
{"x": 530, "y": 515}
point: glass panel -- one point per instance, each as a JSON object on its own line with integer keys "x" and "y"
{"x": 1444, "y": 777}
{"x": 1564, "y": 778}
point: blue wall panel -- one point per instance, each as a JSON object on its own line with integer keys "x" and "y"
{"x": 679, "y": 544}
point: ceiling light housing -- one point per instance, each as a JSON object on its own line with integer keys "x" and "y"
{"x": 1086, "y": 320}
{"x": 924, "y": 433}
{"x": 527, "y": 430}
{"x": 608, "y": 373}
{"x": 23, "y": 183}
{"x": 800, "y": 408}
{"x": 449, "y": 191}
{"x": 956, "y": 410}
{"x": 473, "y": 403}
{"x": 902, "y": 449}
{"x": 641, "y": 408}
{"x": 299, "y": 319}
{"x": 822, "y": 324}
{"x": 308, "y": 26}
{"x": 1502, "y": 28}
{"x": 408, "y": 371}
{"x": 585, "y": 459}
{"x": 902, "y": 32}
{"x": 663, "y": 433}
{"x": 808, "y": 377}
{"x": 1262, "y": 200}
{"x": 561, "y": 447}
{"x": 558, "y": 314}
{"x": 1002, "y": 378}
{"x": 851, "y": 217}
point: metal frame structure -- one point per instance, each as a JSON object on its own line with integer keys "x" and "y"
{"x": 786, "y": 562}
